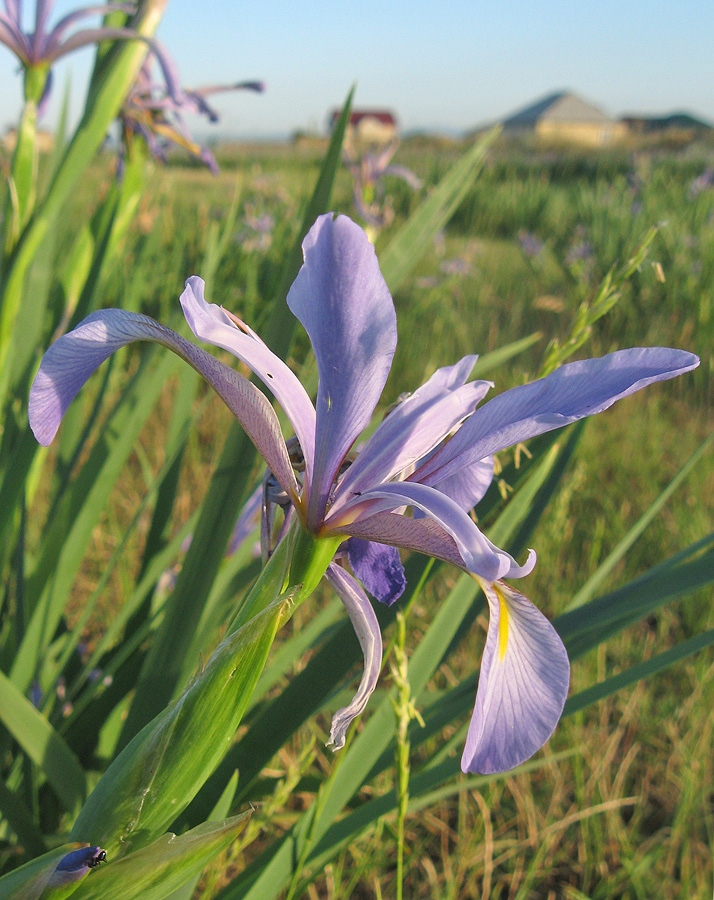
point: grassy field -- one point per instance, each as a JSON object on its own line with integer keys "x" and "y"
{"x": 623, "y": 806}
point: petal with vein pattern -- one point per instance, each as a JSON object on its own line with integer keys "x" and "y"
{"x": 522, "y": 685}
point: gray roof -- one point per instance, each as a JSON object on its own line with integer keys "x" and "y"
{"x": 560, "y": 107}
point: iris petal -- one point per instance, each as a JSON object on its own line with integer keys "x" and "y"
{"x": 468, "y": 486}
{"x": 379, "y": 568}
{"x": 343, "y": 303}
{"x": 415, "y": 426}
{"x": 211, "y": 323}
{"x": 366, "y": 627}
{"x": 75, "y": 356}
{"x": 478, "y": 554}
{"x": 572, "y": 392}
{"x": 422, "y": 535}
{"x": 522, "y": 686}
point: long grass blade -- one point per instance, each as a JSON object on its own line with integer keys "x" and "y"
{"x": 407, "y": 247}
{"x": 42, "y": 744}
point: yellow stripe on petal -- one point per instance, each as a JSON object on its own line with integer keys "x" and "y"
{"x": 502, "y": 623}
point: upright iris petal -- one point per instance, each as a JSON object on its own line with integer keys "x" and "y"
{"x": 344, "y": 304}
{"x": 572, "y": 392}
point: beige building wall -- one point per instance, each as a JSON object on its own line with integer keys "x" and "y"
{"x": 586, "y": 134}
{"x": 371, "y": 131}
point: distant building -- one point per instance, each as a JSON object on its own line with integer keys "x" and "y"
{"x": 566, "y": 118}
{"x": 370, "y": 126}
{"x": 676, "y": 121}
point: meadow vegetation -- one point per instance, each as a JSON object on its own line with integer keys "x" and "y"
{"x": 620, "y": 803}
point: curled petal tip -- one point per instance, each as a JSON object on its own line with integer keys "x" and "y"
{"x": 338, "y": 731}
{"x": 367, "y": 630}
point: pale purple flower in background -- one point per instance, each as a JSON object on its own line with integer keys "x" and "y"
{"x": 701, "y": 183}
{"x": 457, "y": 266}
{"x": 154, "y": 110}
{"x": 433, "y": 455}
{"x": 428, "y": 282}
{"x": 368, "y": 173}
{"x": 40, "y": 48}
{"x": 581, "y": 252}
{"x": 257, "y": 234}
{"x": 531, "y": 245}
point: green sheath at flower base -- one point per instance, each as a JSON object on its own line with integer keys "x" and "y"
{"x": 297, "y": 563}
{"x": 35, "y": 82}
{"x": 310, "y": 558}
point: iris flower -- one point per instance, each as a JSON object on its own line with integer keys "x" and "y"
{"x": 368, "y": 188}
{"x": 40, "y": 48}
{"x": 432, "y": 455}
{"x": 155, "y": 109}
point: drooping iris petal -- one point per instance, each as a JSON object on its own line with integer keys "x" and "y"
{"x": 379, "y": 568}
{"x": 522, "y": 685}
{"x": 13, "y": 38}
{"x": 478, "y": 554}
{"x": 405, "y": 174}
{"x": 343, "y": 303}
{"x": 414, "y": 427}
{"x": 75, "y": 356}
{"x": 51, "y": 41}
{"x": 88, "y": 36}
{"x": 573, "y": 391}
{"x": 212, "y": 324}
{"x": 366, "y": 627}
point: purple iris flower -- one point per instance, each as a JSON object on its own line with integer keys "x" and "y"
{"x": 433, "y": 455}
{"x": 367, "y": 175}
{"x": 155, "y": 109}
{"x": 40, "y": 48}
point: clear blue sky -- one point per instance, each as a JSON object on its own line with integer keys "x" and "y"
{"x": 447, "y": 66}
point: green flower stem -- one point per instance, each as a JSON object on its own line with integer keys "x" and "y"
{"x": 405, "y": 711}
{"x": 310, "y": 558}
{"x": 22, "y": 183}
